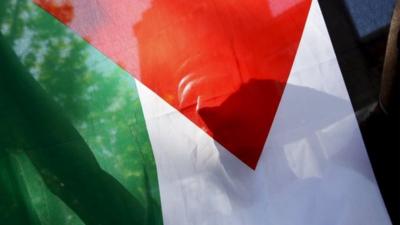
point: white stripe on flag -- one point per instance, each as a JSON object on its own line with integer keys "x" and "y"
{"x": 314, "y": 168}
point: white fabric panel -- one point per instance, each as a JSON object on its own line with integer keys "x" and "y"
{"x": 314, "y": 168}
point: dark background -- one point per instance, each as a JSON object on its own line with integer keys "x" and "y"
{"x": 359, "y": 30}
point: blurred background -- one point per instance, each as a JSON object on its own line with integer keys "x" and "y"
{"x": 359, "y": 30}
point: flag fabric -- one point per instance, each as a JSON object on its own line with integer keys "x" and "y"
{"x": 177, "y": 112}
{"x": 196, "y": 46}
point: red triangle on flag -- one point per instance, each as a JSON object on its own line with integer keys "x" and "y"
{"x": 222, "y": 63}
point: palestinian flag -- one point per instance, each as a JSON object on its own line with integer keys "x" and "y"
{"x": 177, "y": 112}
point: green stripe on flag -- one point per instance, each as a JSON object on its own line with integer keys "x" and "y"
{"x": 74, "y": 148}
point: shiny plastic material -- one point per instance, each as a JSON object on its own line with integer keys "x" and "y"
{"x": 216, "y": 61}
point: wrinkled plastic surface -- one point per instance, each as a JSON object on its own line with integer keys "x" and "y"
{"x": 209, "y": 59}
{"x": 314, "y": 169}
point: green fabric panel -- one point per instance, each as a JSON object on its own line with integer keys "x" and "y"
{"x": 73, "y": 142}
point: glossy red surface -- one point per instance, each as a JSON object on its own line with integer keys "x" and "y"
{"x": 221, "y": 63}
